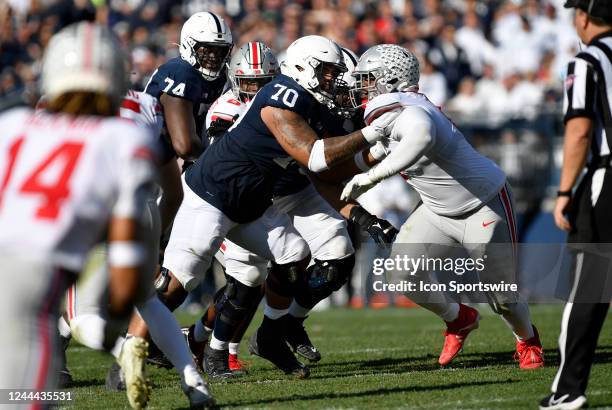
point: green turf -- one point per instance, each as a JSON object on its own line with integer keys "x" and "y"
{"x": 375, "y": 359}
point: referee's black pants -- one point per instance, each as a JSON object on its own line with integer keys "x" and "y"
{"x": 581, "y": 323}
{"x": 589, "y": 300}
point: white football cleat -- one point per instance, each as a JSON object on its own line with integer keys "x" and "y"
{"x": 132, "y": 360}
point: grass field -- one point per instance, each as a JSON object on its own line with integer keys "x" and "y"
{"x": 374, "y": 359}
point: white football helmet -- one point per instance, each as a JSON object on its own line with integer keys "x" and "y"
{"x": 316, "y": 63}
{"x": 84, "y": 57}
{"x": 206, "y": 44}
{"x": 251, "y": 67}
{"x": 383, "y": 69}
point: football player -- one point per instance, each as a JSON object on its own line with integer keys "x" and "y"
{"x": 84, "y": 310}
{"x": 465, "y": 197}
{"x": 185, "y": 87}
{"x": 325, "y": 232}
{"x": 55, "y": 205}
{"x": 250, "y": 68}
{"x": 229, "y": 190}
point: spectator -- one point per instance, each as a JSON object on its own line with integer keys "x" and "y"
{"x": 466, "y": 105}
{"x": 449, "y": 59}
{"x": 432, "y": 83}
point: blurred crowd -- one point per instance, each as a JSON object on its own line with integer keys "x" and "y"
{"x": 480, "y": 58}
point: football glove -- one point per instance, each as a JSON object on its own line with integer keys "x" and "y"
{"x": 380, "y": 230}
{"x": 218, "y": 127}
{"x": 357, "y": 186}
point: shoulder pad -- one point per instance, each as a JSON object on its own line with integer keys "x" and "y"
{"x": 380, "y": 105}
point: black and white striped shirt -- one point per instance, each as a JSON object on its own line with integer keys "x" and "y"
{"x": 589, "y": 77}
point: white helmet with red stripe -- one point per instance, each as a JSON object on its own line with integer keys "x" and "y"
{"x": 206, "y": 44}
{"x": 84, "y": 57}
{"x": 250, "y": 68}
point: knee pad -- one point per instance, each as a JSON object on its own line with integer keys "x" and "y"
{"x": 284, "y": 279}
{"x": 162, "y": 281}
{"x": 172, "y": 299}
{"x": 237, "y": 301}
{"x": 324, "y": 278}
{"x": 332, "y": 274}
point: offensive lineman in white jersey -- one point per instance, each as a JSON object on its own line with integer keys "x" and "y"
{"x": 84, "y": 310}
{"x": 55, "y": 206}
{"x": 465, "y": 199}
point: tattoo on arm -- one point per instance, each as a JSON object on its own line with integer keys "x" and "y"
{"x": 297, "y": 137}
{"x": 338, "y": 149}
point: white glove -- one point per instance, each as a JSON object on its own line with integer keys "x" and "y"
{"x": 381, "y": 126}
{"x": 357, "y": 186}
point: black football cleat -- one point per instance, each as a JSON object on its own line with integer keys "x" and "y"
{"x": 157, "y": 358}
{"x": 299, "y": 341}
{"x": 215, "y": 363}
{"x": 277, "y": 351}
{"x": 556, "y": 401}
{"x": 114, "y": 378}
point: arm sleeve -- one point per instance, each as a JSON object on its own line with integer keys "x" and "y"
{"x": 579, "y": 96}
{"x": 416, "y": 133}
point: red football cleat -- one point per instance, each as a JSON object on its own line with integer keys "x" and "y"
{"x": 456, "y": 333}
{"x": 529, "y": 353}
{"x": 236, "y": 365}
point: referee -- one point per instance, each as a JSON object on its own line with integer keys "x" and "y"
{"x": 588, "y": 129}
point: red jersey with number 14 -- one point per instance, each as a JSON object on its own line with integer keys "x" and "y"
{"x": 63, "y": 177}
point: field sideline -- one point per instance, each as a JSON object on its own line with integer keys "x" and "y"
{"x": 375, "y": 359}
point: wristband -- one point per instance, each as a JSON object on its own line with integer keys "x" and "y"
{"x": 360, "y": 162}
{"x": 379, "y": 151}
{"x": 370, "y": 134}
{"x": 564, "y": 193}
{"x": 126, "y": 254}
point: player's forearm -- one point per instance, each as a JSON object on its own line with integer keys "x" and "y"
{"x": 405, "y": 154}
{"x": 575, "y": 151}
{"x": 187, "y": 147}
{"x": 338, "y": 149}
{"x": 170, "y": 182}
{"x": 126, "y": 257}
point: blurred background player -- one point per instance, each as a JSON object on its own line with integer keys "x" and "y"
{"x": 86, "y": 305}
{"x": 465, "y": 198}
{"x": 55, "y": 207}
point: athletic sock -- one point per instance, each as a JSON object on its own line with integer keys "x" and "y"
{"x": 89, "y": 330}
{"x": 296, "y": 310}
{"x": 166, "y": 333}
{"x": 446, "y": 311}
{"x": 218, "y": 344}
{"x": 273, "y": 313}
{"x": 234, "y": 348}
{"x": 516, "y": 316}
{"x": 116, "y": 350}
